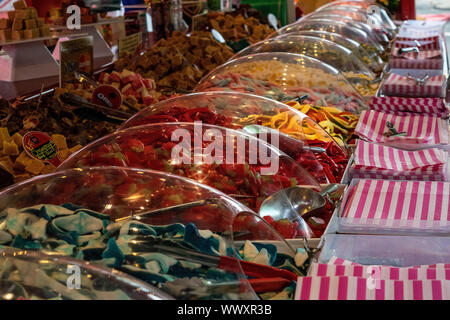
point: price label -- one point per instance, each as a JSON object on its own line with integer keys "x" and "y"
{"x": 40, "y": 146}
{"x": 76, "y": 55}
{"x": 107, "y": 96}
{"x": 129, "y": 43}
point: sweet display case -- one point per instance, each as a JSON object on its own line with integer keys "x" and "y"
{"x": 375, "y": 32}
{"x": 340, "y": 27}
{"x": 33, "y": 275}
{"x": 363, "y": 6}
{"x": 339, "y": 57}
{"x": 298, "y": 133}
{"x": 285, "y": 77}
{"x": 167, "y": 231}
{"x": 372, "y": 60}
{"x": 190, "y": 150}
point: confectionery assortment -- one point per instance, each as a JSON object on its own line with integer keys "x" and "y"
{"x": 284, "y": 77}
{"x": 245, "y": 167}
{"x": 237, "y": 27}
{"x": 23, "y": 23}
{"x": 178, "y": 62}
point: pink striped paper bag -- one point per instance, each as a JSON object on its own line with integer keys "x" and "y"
{"x": 431, "y": 43}
{"x": 375, "y": 206}
{"x": 397, "y": 105}
{"x": 357, "y": 288}
{"x": 422, "y": 131}
{"x": 379, "y": 272}
{"x": 374, "y": 161}
{"x": 340, "y": 261}
{"x": 423, "y": 60}
{"x": 398, "y": 85}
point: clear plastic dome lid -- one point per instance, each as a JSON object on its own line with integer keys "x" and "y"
{"x": 285, "y": 77}
{"x": 172, "y": 233}
{"x": 373, "y": 60}
{"x": 364, "y": 15}
{"x": 363, "y": 5}
{"x": 231, "y": 161}
{"x": 33, "y": 275}
{"x": 367, "y": 24}
{"x": 242, "y": 111}
{"x": 340, "y": 27}
{"x": 341, "y": 58}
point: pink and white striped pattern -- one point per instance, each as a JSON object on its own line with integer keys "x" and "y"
{"x": 376, "y": 161}
{"x": 422, "y": 131}
{"x": 432, "y": 106}
{"x": 421, "y": 55}
{"x": 341, "y": 261}
{"x": 431, "y": 44}
{"x": 357, "y": 288}
{"x": 420, "y": 64}
{"x": 398, "y": 85}
{"x": 422, "y": 41}
{"x": 380, "y": 272}
{"x": 409, "y": 206}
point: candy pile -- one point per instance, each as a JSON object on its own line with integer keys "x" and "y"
{"x": 16, "y": 161}
{"x": 180, "y": 61}
{"x": 69, "y": 131}
{"x": 152, "y": 147}
{"x": 130, "y": 246}
{"x": 339, "y": 124}
{"x": 52, "y": 117}
{"x": 22, "y": 23}
{"x": 237, "y": 27}
{"x": 270, "y": 84}
{"x": 138, "y": 92}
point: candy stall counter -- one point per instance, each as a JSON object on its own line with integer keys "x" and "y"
{"x": 342, "y": 28}
{"x": 170, "y": 232}
{"x": 284, "y": 77}
{"x": 243, "y": 111}
{"x": 341, "y": 58}
{"x": 372, "y": 60}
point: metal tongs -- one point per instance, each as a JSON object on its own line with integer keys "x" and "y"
{"x": 196, "y": 288}
{"x": 104, "y": 113}
{"x": 419, "y": 81}
{"x": 402, "y": 51}
{"x": 182, "y": 206}
{"x": 264, "y": 278}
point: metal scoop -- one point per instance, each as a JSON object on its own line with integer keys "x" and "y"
{"x": 273, "y": 21}
{"x": 294, "y": 202}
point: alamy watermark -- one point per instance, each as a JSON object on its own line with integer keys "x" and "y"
{"x": 74, "y": 20}
{"x": 238, "y": 149}
{"x": 74, "y": 280}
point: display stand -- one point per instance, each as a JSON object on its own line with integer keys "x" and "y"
{"x": 102, "y": 52}
{"x": 26, "y": 66}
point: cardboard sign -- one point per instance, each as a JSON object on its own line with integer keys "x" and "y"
{"x": 129, "y": 43}
{"x": 108, "y": 96}
{"x": 76, "y": 55}
{"x": 40, "y": 146}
